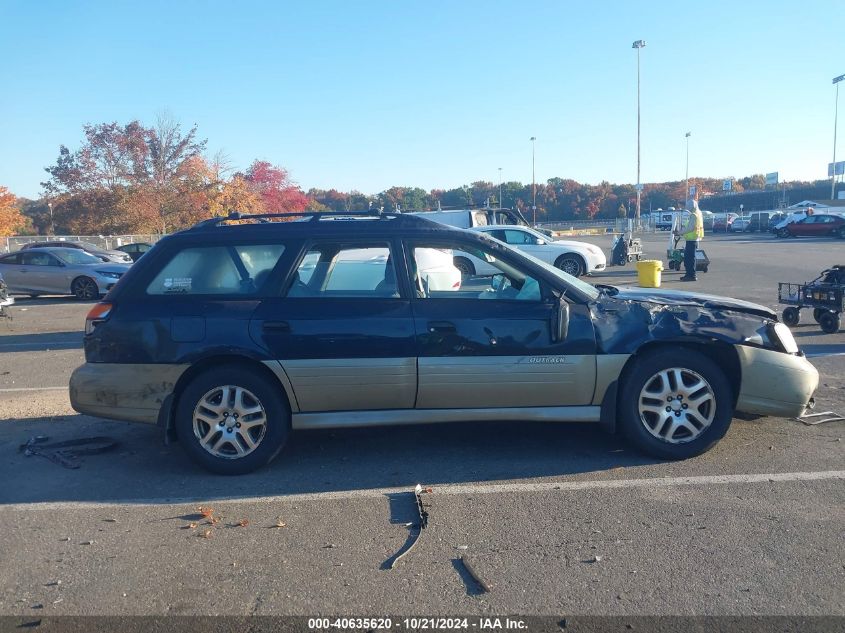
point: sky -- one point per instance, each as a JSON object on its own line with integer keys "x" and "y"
{"x": 434, "y": 94}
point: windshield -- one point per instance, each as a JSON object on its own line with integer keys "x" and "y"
{"x": 88, "y": 246}
{"x": 73, "y": 256}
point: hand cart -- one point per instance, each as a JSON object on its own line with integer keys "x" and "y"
{"x": 675, "y": 256}
{"x": 825, "y": 294}
{"x": 625, "y": 249}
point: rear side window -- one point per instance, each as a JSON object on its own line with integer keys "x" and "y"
{"x": 217, "y": 270}
{"x": 345, "y": 270}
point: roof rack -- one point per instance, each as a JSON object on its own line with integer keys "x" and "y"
{"x": 314, "y": 216}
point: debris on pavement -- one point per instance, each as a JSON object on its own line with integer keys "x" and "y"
{"x": 68, "y": 452}
{"x": 417, "y": 529}
{"x": 471, "y": 571}
{"x": 811, "y": 419}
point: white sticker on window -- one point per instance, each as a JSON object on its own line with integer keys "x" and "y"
{"x": 177, "y": 284}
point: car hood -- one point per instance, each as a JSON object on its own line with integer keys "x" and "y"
{"x": 108, "y": 267}
{"x": 571, "y": 244}
{"x": 681, "y": 298}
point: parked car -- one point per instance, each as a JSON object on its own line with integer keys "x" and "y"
{"x": 224, "y": 338}
{"x": 41, "y": 271}
{"x": 135, "y": 250}
{"x": 468, "y": 218}
{"x": 722, "y": 221}
{"x": 776, "y": 219}
{"x": 816, "y": 225}
{"x": 104, "y": 255}
{"x": 741, "y": 224}
{"x": 572, "y": 257}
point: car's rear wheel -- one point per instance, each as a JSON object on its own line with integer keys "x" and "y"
{"x": 842, "y": 233}
{"x": 85, "y": 289}
{"x": 571, "y": 264}
{"x": 675, "y": 404}
{"x": 791, "y": 316}
{"x": 465, "y": 266}
{"x": 232, "y": 419}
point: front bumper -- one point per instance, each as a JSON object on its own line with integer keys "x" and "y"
{"x": 774, "y": 383}
{"x": 123, "y": 392}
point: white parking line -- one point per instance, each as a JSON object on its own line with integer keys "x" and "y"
{"x": 453, "y": 490}
{"x": 10, "y": 390}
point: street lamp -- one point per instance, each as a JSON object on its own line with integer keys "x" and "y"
{"x": 533, "y": 185}
{"x": 52, "y": 227}
{"x": 638, "y": 45}
{"x": 686, "y": 192}
{"x": 500, "y": 188}
{"x": 836, "y": 81}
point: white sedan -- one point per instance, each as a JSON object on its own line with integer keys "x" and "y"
{"x": 573, "y": 257}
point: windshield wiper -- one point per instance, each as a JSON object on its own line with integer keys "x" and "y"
{"x": 607, "y": 289}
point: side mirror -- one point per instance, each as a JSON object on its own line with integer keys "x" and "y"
{"x": 560, "y": 325}
{"x": 540, "y": 242}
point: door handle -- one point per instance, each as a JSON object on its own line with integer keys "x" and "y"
{"x": 276, "y": 326}
{"x": 441, "y": 326}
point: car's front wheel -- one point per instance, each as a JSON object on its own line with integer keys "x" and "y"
{"x": 232, "y": 419}
{"x": 675, "y": 404}
{"x": 571, "y": 264}
{"x": 85, "y": 289}
{"x": 782, "y": 233}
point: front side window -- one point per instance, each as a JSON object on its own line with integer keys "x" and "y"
{"x": 217, "y": 270}
{"x": 456, "y": 271}
{"x": 332, "y": 269}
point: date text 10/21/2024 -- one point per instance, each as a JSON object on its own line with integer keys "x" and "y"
{"x": 418, "y": 623}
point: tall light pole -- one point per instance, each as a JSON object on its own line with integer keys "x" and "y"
{"x": 52, "y": 227}
{"x": 686, "y": 191}
{"x": 638, "y": 45}
{"x": 533, "y": 185}
{"x": 836, "y": 81}
{"x": 500, "y": 188}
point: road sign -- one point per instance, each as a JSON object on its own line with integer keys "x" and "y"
{"x": 727, "y": 185}
{"x": 639, "y": 187}
{"x": 692, "y": 190}
{"x": 840, "y": 168}
{"x": 772, "y": 178}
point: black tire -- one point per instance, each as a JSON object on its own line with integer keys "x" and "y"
{"x": 791, "y": 316}
{"x": 842, "y": 233}
{"x": 572, "y": 264}
{"x": 639, "y": 258}
{"x": 630, "y": 258}
{"x": 465, "y": 266}
{"x": 85, "y": 289}
{"x": 817, "y": 313}
{"x": 704, "y": 270}
{"x": 829, "y": 322}
{"x": 700, "y": 375}
{"x": 782, "y": 233}
{"x": 204, "y": 388}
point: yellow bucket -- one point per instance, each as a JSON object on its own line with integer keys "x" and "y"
{"x": 648, "y": 273}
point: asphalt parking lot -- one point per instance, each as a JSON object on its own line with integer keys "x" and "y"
{"x": 557, "y": 520}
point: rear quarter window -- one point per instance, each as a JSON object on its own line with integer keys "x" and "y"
{"x": 238, "y": 269}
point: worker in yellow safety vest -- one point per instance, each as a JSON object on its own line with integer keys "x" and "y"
{"x": 693, "y": 233}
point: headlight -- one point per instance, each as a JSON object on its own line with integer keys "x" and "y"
{"x": 784, "y": 336}
{"x": 108, "y": 275}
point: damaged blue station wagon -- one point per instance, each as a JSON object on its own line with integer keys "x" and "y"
{"x": 236, "y": 331}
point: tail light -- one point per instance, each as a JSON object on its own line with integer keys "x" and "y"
{"x": 99, "y": 313}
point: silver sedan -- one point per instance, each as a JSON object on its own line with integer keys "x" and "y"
{"x": 39, "y": 271}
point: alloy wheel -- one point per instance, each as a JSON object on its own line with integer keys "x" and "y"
{"x": 677, "y": 405}
{"x": 229, "y": 422}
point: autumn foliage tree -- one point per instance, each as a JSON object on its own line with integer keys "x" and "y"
{"x": 11, "y": 219}
{"x": 130, "y": 178}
